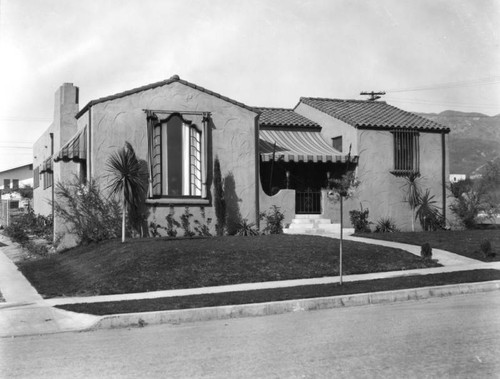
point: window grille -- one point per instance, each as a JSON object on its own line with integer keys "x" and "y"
{"x": 406, "y": 153}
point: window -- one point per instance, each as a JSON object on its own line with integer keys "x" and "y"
{"x": 6, "y": 184}
{"x": 36, "y": 177}
{"x": 47, "y": 173}
{"x": 178, "y": 157}
{"x": 406, "y": 153}
{"x": 337, "y": 143}
{"x": 15, "y": 183}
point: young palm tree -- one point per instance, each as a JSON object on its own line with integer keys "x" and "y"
{"x": 412, "y": 197}
{"x": 129, "y": 179}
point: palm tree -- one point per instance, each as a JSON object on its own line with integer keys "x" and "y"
{"x": 412, "y": 197}
{"x": 129, "y": 179}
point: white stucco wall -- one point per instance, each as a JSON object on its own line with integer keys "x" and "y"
{"x": 232, "y": 138}
{"x": 63, "y": 128}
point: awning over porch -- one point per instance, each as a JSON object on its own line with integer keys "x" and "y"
{"x": 297, "y": 146}
{"x": 75, "y": 149}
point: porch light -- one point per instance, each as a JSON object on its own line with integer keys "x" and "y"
{"x": 287, "y": 178}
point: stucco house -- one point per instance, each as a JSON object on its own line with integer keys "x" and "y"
{"x": 268, "y": 156}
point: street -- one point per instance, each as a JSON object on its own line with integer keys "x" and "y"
{"x": 458, "y": 336}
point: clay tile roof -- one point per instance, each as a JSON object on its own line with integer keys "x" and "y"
{"x": 282, "y": 117}
{"x": 174, "y": 78}
{"x": 366, "y": 114}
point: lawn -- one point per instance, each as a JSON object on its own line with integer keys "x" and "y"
{"x": 462, "y": 242}
{"x": 153, "y": 264}
{"x": 281, "y": 294}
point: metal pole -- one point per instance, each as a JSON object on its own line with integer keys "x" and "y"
{"x": 341, "y": 237}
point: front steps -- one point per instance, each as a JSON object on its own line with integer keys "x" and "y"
{"x": 314, "y": 224}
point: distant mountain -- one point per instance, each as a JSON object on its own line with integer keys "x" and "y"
{"x": 474, "y": 138}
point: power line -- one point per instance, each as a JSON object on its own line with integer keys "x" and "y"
{"x": 448, "y": 103}
{"x": 466, "y": 83}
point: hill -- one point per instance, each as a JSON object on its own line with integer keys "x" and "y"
{"x": 474, "y": 138}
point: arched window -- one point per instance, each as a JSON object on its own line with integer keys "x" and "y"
{"x": 177, "y": 157}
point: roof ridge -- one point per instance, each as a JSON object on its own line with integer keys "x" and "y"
{"x": 172, "y": 79}
{"x": 276, "y": 108}
{"x": 343, "y": 100}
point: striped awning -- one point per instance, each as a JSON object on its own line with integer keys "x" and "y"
{"x": 75, "y": 149}
{"x": 297, "y": 146}
{"x": 47, "y": 166}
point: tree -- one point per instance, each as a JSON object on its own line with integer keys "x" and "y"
{"x": 219, "y": 201}
{"x": 129, "y": 180}
{"x": 412, "y": 195}
{"x": 340, "y": 189}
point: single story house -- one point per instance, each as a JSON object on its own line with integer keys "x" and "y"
{"x": 268, "y": 156}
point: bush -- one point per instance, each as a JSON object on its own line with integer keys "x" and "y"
{"x": 359, "y": 219}
{"x": 186, "y": 223}
{"x": 88, "y": 214}
{"x": 426, "y": 251}
{"x": 429, "y": 216}
{"x": 386, "y": 225}
{"x": 17, "y": 233}
{"x": 486, "y": 249}
{"x": 203, "y": 229}
{"x": 246, "y": 228}
{"x": 274, "y": 220}
{"x": 172, "y": 224}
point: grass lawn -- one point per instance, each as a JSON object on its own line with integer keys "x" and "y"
{"x": 280, "y": 294}
{"x": 153, "y": 264}
{"x": 463, "y": 242}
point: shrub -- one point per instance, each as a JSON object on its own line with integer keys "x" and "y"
{"x": 219, "y": 201}
{"x": 246, "y": 228}
{"x": 154, "y": 229}
{"x": 274, "y": 220}
{"x": 172, "y": 224}
{"x": 17, "y": 233}
{"x": 203, "y": 229}
{"x": 186, "y": 223}
{"x": 426, "y": 251}
{"x": 386, "y": 225}
{"x": 359, "y": 220}
{"x": 486, "y": 249}
{"x": 87, "y": 213}
{"x": 428, "y": 215}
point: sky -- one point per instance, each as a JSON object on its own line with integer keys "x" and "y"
{"x": 428, "y": 55}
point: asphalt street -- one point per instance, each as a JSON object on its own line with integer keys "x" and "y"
{"x": 457, "y": 336}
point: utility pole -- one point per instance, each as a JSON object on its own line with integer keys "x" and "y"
{"x": 373, "y": 95}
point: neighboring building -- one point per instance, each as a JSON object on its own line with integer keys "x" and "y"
{"x": 457, "y": 177}
{"x": 16, "y": 177}
{"x": 268, "y": 156}
{"x": 11, "y": 199}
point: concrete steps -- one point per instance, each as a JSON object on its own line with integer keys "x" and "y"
{"x": 314, "y": 224}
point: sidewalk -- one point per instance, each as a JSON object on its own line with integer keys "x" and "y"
{"x": 25, "y": 312}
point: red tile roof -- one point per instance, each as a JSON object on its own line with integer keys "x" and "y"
{"x": 283, "y": 117}
{"x": 365, "y": 114}
{"x": 174, "y": 78}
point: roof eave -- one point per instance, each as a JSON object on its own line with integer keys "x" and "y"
{"x": 173, "y": 79}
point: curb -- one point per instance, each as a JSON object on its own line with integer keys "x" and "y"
{"x": 127, "y": 320}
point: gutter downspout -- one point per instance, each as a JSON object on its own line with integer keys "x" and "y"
{"x": 443, "y": 177}
{"x": 89, "y": 146}
{"x": 257, "y": 172}
{"x": 53, "y": 185}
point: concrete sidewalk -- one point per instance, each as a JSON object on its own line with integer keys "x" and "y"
{"x": 25, "y": 312}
